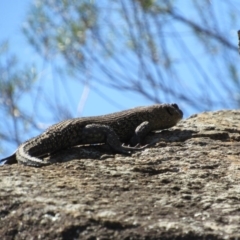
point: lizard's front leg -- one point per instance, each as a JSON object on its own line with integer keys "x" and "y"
{"x": 97, "y": 133}
{"x": 140, "y": 133}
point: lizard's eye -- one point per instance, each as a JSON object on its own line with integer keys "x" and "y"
{"x": 175, "y": 105}
{"x": 174, "y": 109}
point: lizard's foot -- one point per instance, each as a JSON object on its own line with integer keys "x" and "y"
{"x": 129, "y": 145}
{"x": 137, "y": 147}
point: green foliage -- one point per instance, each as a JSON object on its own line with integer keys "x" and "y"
{"x": 61, "y": 27}
{"x": 15, "y": 82}
{"x": 146, "y": 4}
{"x": 151, "y": 33}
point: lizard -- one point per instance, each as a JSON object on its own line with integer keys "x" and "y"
{"x": 128, "y": 126}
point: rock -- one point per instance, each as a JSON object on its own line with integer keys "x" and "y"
{"x": 185, "y": 187}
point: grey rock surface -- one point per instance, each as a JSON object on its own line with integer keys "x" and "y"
{"x": 185, "y": 187}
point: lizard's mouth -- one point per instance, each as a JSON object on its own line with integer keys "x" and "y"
{"x": 173, "y": 111}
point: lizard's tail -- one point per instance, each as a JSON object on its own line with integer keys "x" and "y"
{"x": 23, "y": 156}
{"x": 9, "y": 160}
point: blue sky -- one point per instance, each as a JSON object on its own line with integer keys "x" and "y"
{"x": 12, "y": 15}
{"x": 81, "y": 101}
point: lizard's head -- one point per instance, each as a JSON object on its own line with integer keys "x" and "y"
{"x": 166, "y": 115}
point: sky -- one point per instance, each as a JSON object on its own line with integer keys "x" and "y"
{"x": 84, "y": 101}
{"x": 12, "y": 15}
{"x": 87, "y": 103}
